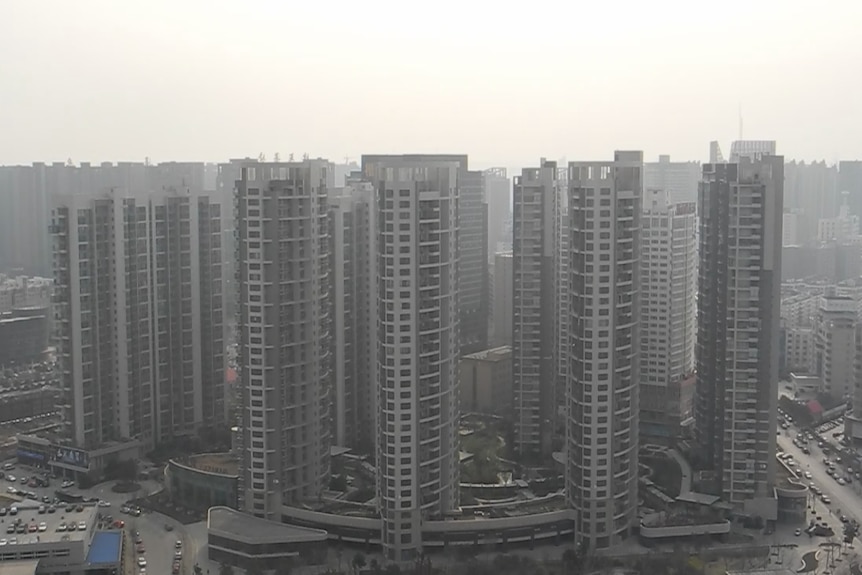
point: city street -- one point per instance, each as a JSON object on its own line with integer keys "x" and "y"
{"x": 845, "y": 498}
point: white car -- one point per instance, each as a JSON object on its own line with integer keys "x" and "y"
{"x": 807, "y": 475}
{"x": 142, "y": 561}
{"x": 103, "y": 503}
{"x": 67, "y": 483}
{"x": 43, "y": 526}
{"x": 82, "y": 525}
{"x": 11, "y": 478}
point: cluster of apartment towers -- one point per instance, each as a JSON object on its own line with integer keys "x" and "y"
{"x": 355, "y": 302}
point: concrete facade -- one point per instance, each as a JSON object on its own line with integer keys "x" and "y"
{"x": 285, "y": 327}
{"x": 486, "y": 382}
{"x": 604, "y": 340}
{"x": 501, "y": 298}
{"x": 678, "y": 179}
{"x": 668, "y": 315}
{"x": 138, "y": 314}
{"x": 534, "y": 298}
{"x": 418, "y": 344}
{"x": 738, "y": 325}
{"x": 354, "y": 304}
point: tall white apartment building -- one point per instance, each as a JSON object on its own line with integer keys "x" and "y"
{"x": 561, "y": 311}
{"x": 474, "y": 309}
{"x": 668, "y": 291}
{"x": 138, "y": 315}
{"x": 602, "y": 428}
{"x": 498, "y": 190}
{"x": 353, "y": 213}
{"x": 843, "y": 229}
{"x": 800, "y": 349}
{"x": 790, "y": 229}
{"x": 418, "y": 344}
{"x": 739, "y": 287}
{"x": 285, "y": 327}
{"x": 501, "y": 299}
{"x": 678, "y": 179}
{"x": 535, "y": 243}
{"x": 751, "y": 149}
{"x": 835, "y": 353}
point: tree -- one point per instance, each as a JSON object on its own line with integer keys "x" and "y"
{"x": 374, "y": 565}
{"x": 197, "y": 569}
{"x": 225, "y": 569}
{"x": 502, "y": 563}
{"x": 358, "y": 562}
{"x": 423, "y": 565}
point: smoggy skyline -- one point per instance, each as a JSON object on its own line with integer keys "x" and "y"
{"x": 98, "y": 80}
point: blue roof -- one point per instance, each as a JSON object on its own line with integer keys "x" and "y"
{"x": 105, "y": 548}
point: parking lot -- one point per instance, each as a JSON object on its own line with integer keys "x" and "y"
{"x": 158, "y": 534}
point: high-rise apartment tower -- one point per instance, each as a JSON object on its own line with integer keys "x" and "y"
{"x": 534, "y": 297}
{"x": 602, "y": 427}
{"x": 738, "y": 326}
{"x": 418, "y": 343}
{"x": 285, "y": 328}
{"x": 668, "y": 317}
{"x": 138, "y": 315}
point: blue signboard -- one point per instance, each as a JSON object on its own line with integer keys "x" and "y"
{"x": 70, "y": 456}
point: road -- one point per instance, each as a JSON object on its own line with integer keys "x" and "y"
{"x": 158, "y": 542}
{"x": 845, "y": 499}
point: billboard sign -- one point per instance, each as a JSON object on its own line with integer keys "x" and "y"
{"x": 71, "y": 456}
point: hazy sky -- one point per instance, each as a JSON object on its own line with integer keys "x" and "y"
{"x": 506, "y": 82}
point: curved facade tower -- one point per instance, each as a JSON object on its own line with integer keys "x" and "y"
{"x": 283, "y": 268}
{"x": 602, "y": 426}
{"x": 418, "y": 410}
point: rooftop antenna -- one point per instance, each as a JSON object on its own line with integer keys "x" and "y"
{"x": 276, "y": 157}
{"x": 740, "y": 121}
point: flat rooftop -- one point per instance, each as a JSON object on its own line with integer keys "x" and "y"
{"x": 224, "y": 463}
{"x": 106, "y": 548}
{"x": 28, "y": 513}
{"x": 25, "y": 567}
{"x": 241, "y": 526}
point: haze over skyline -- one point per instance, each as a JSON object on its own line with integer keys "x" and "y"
{"x": 204, "y": 81}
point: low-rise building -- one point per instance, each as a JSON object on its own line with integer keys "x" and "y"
{"x": 486, "y": 382}
{"x": 69, "y": 462}
{"x": 249, "y": 542}
{"x": 204, "y": 481}
{"x": 58, "y": 548}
